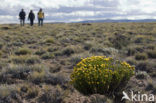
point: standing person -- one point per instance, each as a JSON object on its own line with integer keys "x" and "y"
{"x": 40, "y": 17}
{"x": 22, "y": 15}
{"x": 31, "y": 17}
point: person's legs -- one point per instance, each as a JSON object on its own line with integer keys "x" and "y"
{"x": 31, "y": 22}
{"x": 21, "y": 22}
{"x": 41, "y": 22}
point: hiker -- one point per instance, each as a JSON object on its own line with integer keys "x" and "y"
{"x": 40, "y": 17}
{"x": 22, "y": 15}
{"x": 31, "y": 17}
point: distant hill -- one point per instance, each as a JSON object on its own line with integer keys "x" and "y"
{"x": 121, "y": 20}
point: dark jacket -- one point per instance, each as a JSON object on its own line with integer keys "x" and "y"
{"x": 22, "y": 15}
{"x": 31, "y": 16}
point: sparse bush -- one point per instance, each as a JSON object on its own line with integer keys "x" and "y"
{"x": 141, "y": 75}
{"x": 151, "y": 47}
{"x": 149, "y": 87}
{"x": 37, "y": 77}
{"x": 146, "y": 66}
{"x": 131, "y": 52}
{"x": 54, "y": 69}
{"x": 47, "y": 56}
{"x": 152, "y": 54}
{"x": 25, "y": 59}
{"x": 68, "y": 51}
{"x": 99, "y": 74}
{"x": 56, "y": 79}
{"x": 40, "y": 52}
{"x": 32, "y": 92}
{"x": 141, "y": 56}
{"x": 1, "y": 46}
{"x": 119, "y": 41}
{"x": 105, "y": 51}
{"x": 50, "y": 40}
{"x": 131, "y": 61}
{"x": 51, "y": 95}
{"x": 52, "y": 49}
{"x": 88, "y": 46}
{"x": 7, "y": 90}
{"x": 23, "y": 51}
{"x": 19, "y": 72}
{"x": 1, "y": 53}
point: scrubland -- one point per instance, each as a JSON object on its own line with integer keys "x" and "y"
{"x": 36, "y": 62}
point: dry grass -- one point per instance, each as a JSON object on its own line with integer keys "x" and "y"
{"x": 42, "y": 57}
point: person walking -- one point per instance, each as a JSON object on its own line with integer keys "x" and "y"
{"x": 31, "y": 17}
{"x": 22, "y": 15}
{"x": 40, "y": 17}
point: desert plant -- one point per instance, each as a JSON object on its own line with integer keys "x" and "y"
{"x": 32, "y": 92}
{"x": 51, "y": 95}
{"x": 47, "y": 56}
{"x": 23, "y": 51}
{"x": 1, "y": 45}
{"x": 25, "y": 59}
{"x": 50, "y": 40}
{"x": 1, "y": 53}
{"x": 131, "y": 52}
{"x": 141, "y": 56}
{"x": 99, "y": 74}
{"x": 141, "y": 75}
{"x": 40, "y": 52}
{"x": 152, "y": 54}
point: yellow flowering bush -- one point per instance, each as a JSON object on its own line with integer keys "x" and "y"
{"x": 99, "y": 74}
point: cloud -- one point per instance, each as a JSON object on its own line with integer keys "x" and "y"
{"x": 70, "y": 10}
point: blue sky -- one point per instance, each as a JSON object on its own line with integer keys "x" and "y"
{"x": 77, "y": 10}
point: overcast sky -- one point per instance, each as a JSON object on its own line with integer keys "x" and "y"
{"x": 77, "y": 10}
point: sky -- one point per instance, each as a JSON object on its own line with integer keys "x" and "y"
{"x": 79, "y": 10}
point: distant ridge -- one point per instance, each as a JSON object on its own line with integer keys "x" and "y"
{"x": 121, "y": 20}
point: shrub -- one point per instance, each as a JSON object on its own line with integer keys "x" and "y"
{"x": 23, "y": 51}
{"x": 19, "y": 72}
{"x": 40, "y": 52}
{"x": 51, "y": 95}
{"x": 1, "y": 53}
{"x": 47, "y": 56}
{"x": 88, "y": 46}
{"x": 1, "y": 45}
{"x": 68, "y": 51}
{"x": 50, "y": 40}
{"x": 131, "y": 52}
{"x": 102, "y": 75}
{"x": 152, "y": 54}
{"x": 141, "y": 75}
{"x": 25, "y": 59}
{"x": 33, "y": 92}
{"x": 141, "y": 56}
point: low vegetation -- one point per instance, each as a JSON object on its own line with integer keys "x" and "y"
{"x": 36, "y": 63}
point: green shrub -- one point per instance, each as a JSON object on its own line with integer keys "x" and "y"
{"x": 1, "y": 45}
{"x": 23, "y": 51}
{"x": 152, "y": 54}
{"x": 102, "y": 75}
{"x": 50, "y": 40}
{"x": 141, "y": 56}
{"x": 51, "y": 95}
{"x": 1, "y": 53}
{"x": 131, "y": 52}
{"x": 40, "y": 52}
{"x": 141, "y": 75}
{"x": 47, "y": 56}
{"x": 27, "y": 59}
